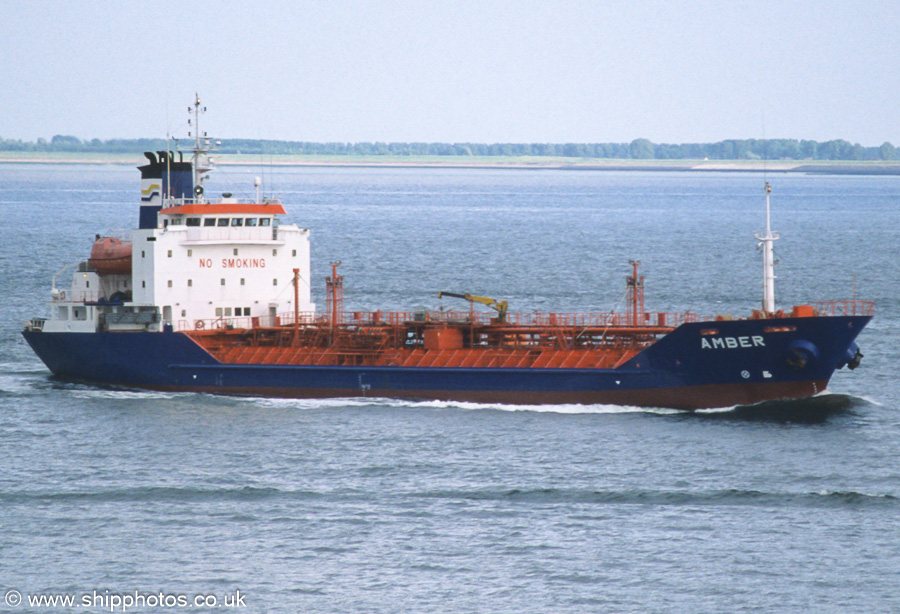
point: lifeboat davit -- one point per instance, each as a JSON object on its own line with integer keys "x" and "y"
{"x": 110, "y": 256}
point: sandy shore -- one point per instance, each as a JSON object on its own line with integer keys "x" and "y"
{"x": 485, "y": 162}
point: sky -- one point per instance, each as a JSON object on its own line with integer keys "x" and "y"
{"x": 485, "y": 71}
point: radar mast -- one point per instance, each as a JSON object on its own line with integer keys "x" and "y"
{"x": 766, "y": 241}
{"x": 201, "y": 163}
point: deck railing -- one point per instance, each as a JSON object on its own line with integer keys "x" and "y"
{"x": 652, "y": 320}
{"x": 844, "y": 308}
{"x": 478, "y": 318}
{"x": 77, "y": 296}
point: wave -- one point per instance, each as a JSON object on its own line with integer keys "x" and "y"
{"x": 171, "y": 494}
{"x": 553, "y": 409}
{"x": 384, "y": 402}
{"x": 28, "y": 367}
{"x": 812, "y": 410}
{"x": 26, "y": 380}
{"x": 727, "y": 497}
{"x": 871, "y": 401}
{"x": 14, "y": 385}
{"x": 515, "y": 496}
{"x": 93, "y": 393}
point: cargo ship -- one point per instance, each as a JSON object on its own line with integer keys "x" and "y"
{"x": 212, "y": 295}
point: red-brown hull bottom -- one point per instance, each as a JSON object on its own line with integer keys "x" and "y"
{"x": 685, "y": 398}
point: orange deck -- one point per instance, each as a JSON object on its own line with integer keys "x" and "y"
{"x": 445, "y": 339}
{"x": 452, "y": 339}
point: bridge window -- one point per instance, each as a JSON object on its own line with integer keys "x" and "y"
{"x": 265, "y": 221}
{"x": 209, "y": 221}
{"x": 223, "y": 221}
{"x": 193, "y": 221}
{"x": 250, "y": 221}
{"x": 237, "y": 221}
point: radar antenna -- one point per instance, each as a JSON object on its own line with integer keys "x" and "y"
{"x": 201, "y": 163}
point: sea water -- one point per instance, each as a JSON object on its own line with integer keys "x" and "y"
{"x": 120, "y": 499}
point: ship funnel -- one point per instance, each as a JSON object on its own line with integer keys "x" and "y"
{"x": 163, "y": 178}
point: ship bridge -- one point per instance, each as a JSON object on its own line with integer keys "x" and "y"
{"x": 216, "y": 222}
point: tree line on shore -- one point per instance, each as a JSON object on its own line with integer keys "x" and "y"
{"x": 638, "y": 149}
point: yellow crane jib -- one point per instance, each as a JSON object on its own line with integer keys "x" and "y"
{"x": 498, "y": 306}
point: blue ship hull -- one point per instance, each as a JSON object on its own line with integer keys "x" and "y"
{"x": 698, "y": 365}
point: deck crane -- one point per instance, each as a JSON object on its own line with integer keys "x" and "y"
{"x": 498, "y": 306}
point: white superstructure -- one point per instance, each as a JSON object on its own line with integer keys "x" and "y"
{"x": 194, "y": 263}
{"x": 220, "y": 262}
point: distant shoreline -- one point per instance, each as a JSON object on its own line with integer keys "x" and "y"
{"x": 486, "y": 163}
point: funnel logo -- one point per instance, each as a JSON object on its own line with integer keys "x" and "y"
{"x": 152, "y": 191}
